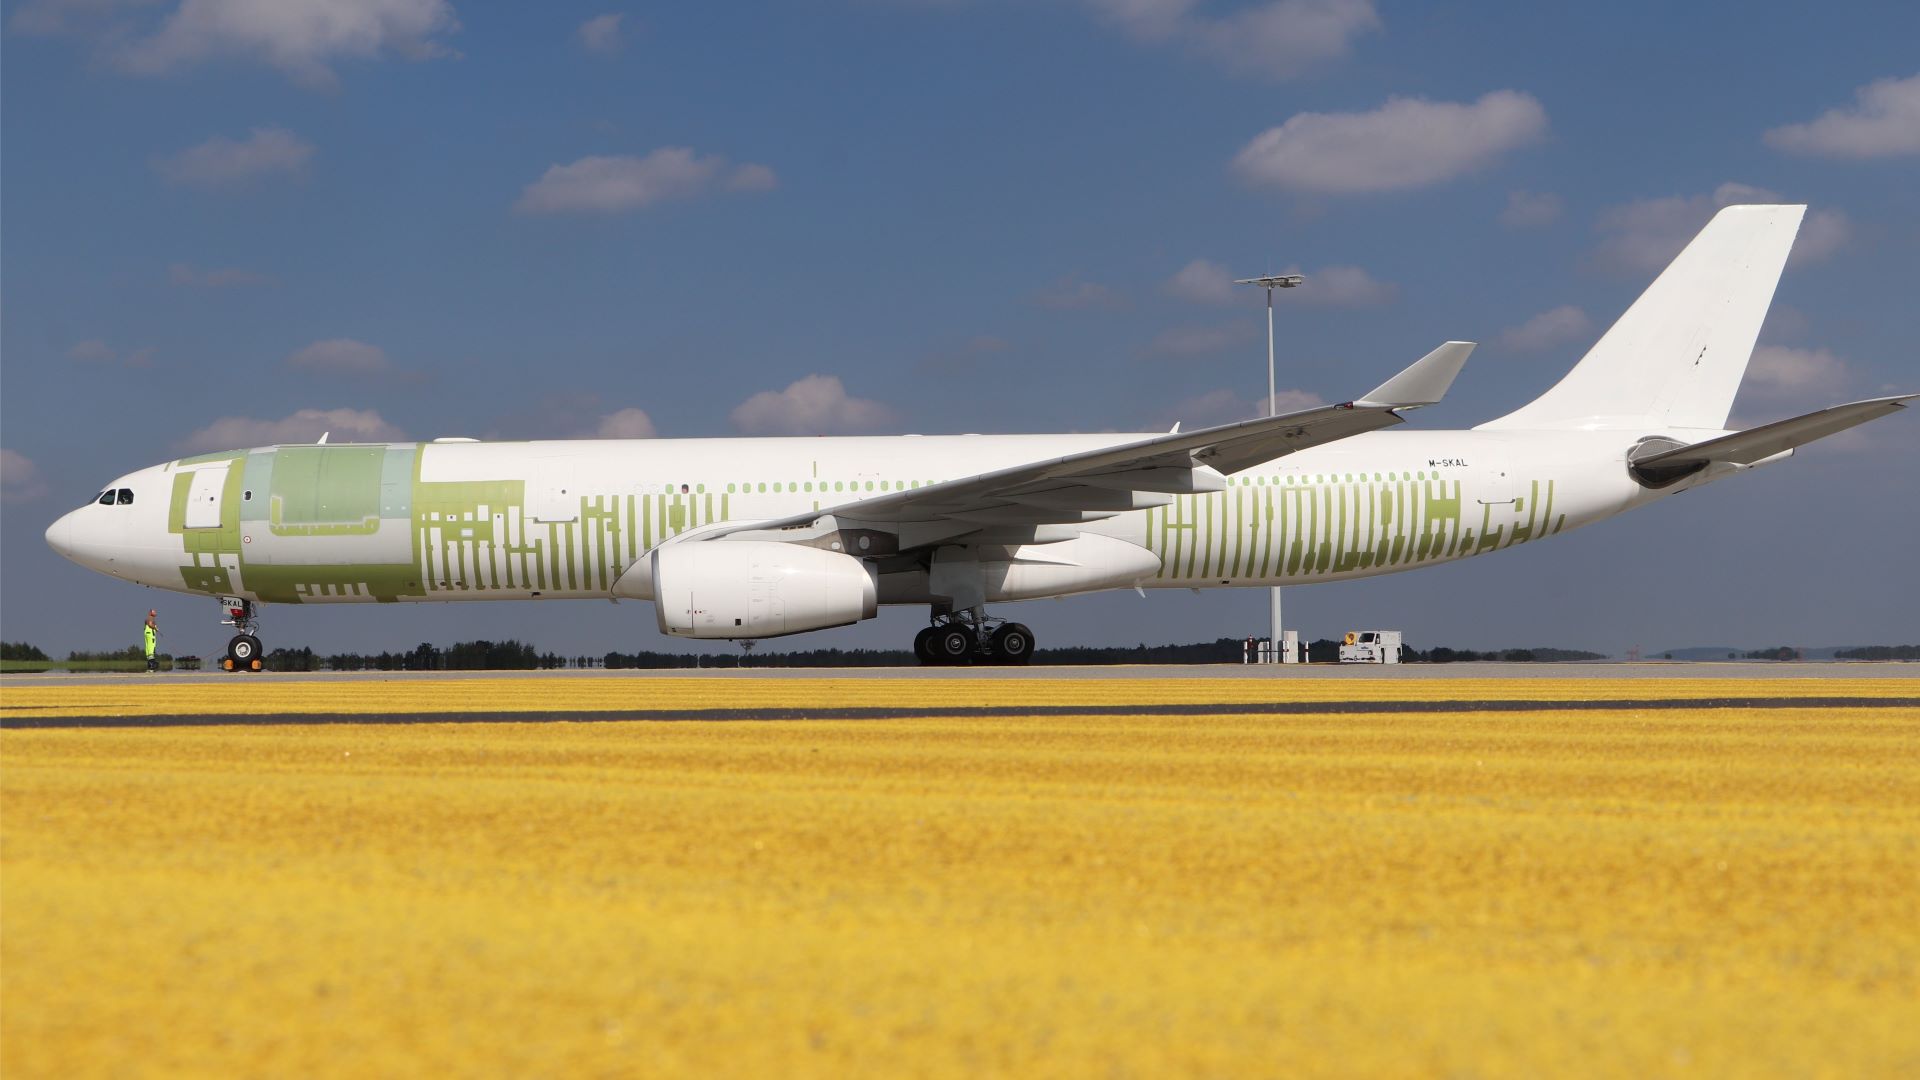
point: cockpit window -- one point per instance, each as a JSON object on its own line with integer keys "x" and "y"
{"x": 126, "y": 497}
{"x": 106, "y": 497}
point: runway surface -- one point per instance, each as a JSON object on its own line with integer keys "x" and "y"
{"x": 1044, "y": 872}
{"x": 755, "y": 696}
{"x": 725, "y": 669}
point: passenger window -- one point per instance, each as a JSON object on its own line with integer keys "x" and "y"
{"x": 106, "y": 497}
{"x": 126, "y": 497}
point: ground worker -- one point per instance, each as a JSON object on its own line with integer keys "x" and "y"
{"x": 153, "y": 637}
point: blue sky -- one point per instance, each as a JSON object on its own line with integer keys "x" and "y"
{"x": 229, "y": 221}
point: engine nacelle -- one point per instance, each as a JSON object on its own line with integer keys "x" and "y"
{"x": 757, "y": 589}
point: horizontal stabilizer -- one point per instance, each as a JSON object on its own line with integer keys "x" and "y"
{"x": 1669, "y": 467}
{"x": 1425, "y": 381}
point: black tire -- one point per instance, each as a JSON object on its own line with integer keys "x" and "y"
{"x": 1012, "y": 644}
{"x": 923, "y": 648}
{"x": 952, "y": 645}
{"x": 243, "y": 650}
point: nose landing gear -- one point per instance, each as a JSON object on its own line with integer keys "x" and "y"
{"x": 970, "y": 637}
{"x": 243, "y": 651}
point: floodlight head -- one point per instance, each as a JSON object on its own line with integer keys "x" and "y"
{"x": 1273, "y": 281}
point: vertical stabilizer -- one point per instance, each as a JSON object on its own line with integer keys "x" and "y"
{"x": 1675, "y": 359}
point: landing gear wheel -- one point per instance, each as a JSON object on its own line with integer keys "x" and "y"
{"x": 1011, "y": 644}
{"x": 243, "y": 653}
{"x": 923, "y": 647}
{"x": 951, "y": 645}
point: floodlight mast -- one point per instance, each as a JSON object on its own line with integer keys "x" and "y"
{"x": 1271, "y": 282}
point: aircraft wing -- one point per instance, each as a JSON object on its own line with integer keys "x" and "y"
{"x": 1113, "y": 480}
{"x": 1757, "y": 444}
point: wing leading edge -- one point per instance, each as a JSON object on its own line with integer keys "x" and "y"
{"x": 1022, "y": 500}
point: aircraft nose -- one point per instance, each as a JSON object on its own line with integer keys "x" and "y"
{"x": 60, "y": 535}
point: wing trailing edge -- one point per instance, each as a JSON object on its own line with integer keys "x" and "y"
{"x": 1040, "y": 496}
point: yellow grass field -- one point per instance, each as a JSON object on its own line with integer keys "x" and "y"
{"x": 1702, "y": 891}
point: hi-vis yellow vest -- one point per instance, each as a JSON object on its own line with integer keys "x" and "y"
{"x": 149, "y": 631}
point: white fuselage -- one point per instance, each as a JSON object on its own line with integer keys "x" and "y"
{"x": 565, "y": 520}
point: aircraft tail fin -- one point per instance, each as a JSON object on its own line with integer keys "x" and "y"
{"x": 1675, "y": 359}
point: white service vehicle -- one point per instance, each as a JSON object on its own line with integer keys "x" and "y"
{"x": 1370, "y": 647}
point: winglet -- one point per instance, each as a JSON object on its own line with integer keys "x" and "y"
{"x": 1424, "y": 382}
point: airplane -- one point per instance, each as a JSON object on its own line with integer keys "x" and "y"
{"x": 744, "y": 538}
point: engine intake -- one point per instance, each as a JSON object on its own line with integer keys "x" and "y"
{"x": 758, "y": 589}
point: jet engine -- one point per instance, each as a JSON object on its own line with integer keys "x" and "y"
{"x": 756, "y": 589}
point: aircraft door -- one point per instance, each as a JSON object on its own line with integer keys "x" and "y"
{"x": 555, "y": 497}
{"x": 1498, "y": 485}
{"x": 203, "y": 497}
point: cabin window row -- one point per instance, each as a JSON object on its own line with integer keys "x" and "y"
{"x": 1329, "y": 478}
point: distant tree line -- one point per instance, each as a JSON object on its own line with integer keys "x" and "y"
{"x": 460, "y": 656}
{"x": 1440, "y": 654}
{"x": 131, "y": 652}
{"x": 20, "y": 650}
{"x": 1218, "y": 651}
{"x": 515, "y": 655}
{"x": 1880, "y": 652}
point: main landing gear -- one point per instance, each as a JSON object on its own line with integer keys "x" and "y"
{"x": 243, "y": 651}
{"x": 970, "y": 637}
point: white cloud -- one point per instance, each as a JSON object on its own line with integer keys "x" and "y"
{"x": 601, "y": 34}
{"x": 188, "y": 276}
{"x": 1070, "y": 293}
{"x": 1647, "y": 234}
{"x": 95, "y": 351}
{"x": 1821, "y": 234}
{"x": 624, "y": 424}
{"x": 608, "y": 185}
{"x": 340, "y": 356}
{"x": 1200, "y": 340}
{"x": 1204, "y": 282}
{"x": 1228, "y": 406}
{"x": 1530, "y": 209}
{"x": 92, "y": 351}
{"x": 1338, "y": 287}
{"x": 1406, "y": 143}
{"x": 222, "y": 162}
{"x": 1276, "y": 39}
{"x": 305, "y": 426}
{"x": 1883, "y": 121}
{"x": 53, "y": 17}
{"x": 20, "y": 479}
{"x": 815, "y": 405}
{"x": 1784, "y": 322}
{"x": 1776, "y": 371}
{"x": 1547, "y": 329}
{"x": 751, "y": 177}
{"x": 299, "y": 37}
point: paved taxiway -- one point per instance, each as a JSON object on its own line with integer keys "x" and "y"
{"x": 210, "y": 699}
{"x": 1845, "y": 671}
